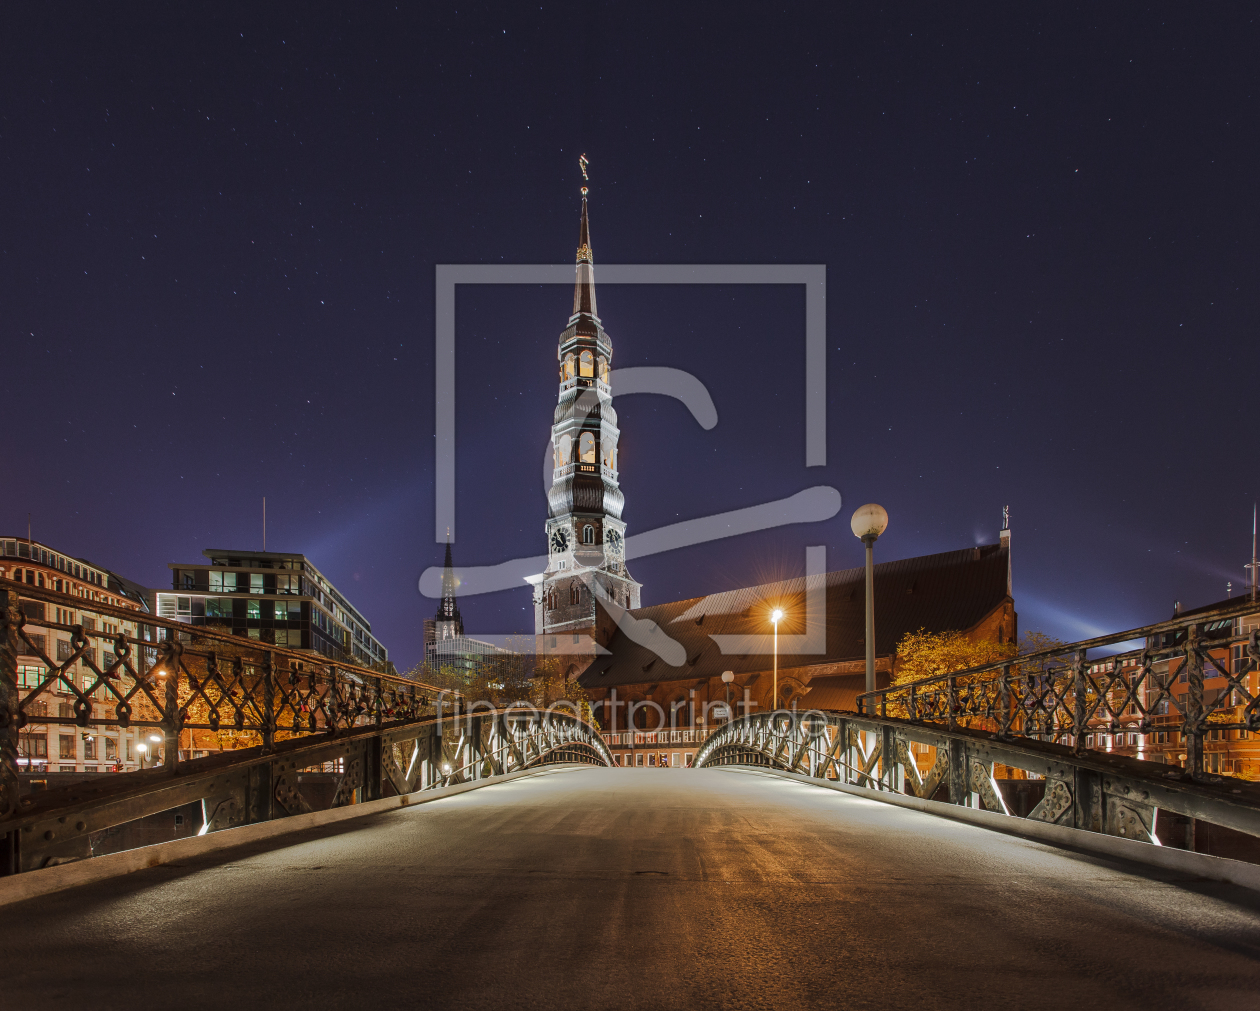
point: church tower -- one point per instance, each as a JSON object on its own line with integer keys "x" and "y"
{"x": 447, "y": 623}
{"x": 586, "y": 537}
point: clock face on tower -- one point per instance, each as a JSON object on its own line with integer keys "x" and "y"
{"x": 559, "y": 540}
{"x": 614, "y": 541}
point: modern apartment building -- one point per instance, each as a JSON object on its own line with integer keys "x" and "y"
{"x": 273, "y": 597}
{"x": 65, "y": 747}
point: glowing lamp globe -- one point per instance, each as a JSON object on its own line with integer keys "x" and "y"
{"x": 870, "y": 520}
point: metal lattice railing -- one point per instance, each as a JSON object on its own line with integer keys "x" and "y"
{"x": 285, "y": 713}
{"x": 176, "y": 679}
{"x": 1062, "y": 696}
{"x": 1111, "y": 794}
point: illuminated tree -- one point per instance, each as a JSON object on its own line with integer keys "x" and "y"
{"x": 925, "y": 654}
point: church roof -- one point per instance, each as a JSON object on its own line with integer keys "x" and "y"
{"x": 951, "y": 590}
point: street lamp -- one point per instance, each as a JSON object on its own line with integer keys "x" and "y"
{"x": 776, "y": 616}
{"x": 868, "y": 523}
{"x": 727, "y": 677}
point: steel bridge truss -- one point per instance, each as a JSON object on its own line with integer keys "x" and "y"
{"x": 1063, "y": 696}
{"x": 293, "y": 719}
{"x": 1095, "y": 791}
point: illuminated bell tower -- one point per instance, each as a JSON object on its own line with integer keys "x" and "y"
{"x": 586, "y": 537}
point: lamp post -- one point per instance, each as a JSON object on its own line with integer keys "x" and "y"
{"x": 776, "y": 616}
{"x": 868, "y": 523}
{"x": 727, "y": 677}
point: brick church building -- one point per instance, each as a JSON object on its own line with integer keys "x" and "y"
{"x": 966, "y": 590}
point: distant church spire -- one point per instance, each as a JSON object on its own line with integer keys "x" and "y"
{"x": 447, "y": 622}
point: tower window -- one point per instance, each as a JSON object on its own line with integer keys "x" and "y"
{"x": 566, "y": 372}
{"x": 587, "y": 364}
{"x": 564, "y": 450}
{"x": 588, "y": 534}
{"x": 586, "y": 447}
{"x": 573, "y": 593}
{"x": 602, "y": 362}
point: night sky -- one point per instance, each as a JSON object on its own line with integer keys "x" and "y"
{"x": 217, "y": 263}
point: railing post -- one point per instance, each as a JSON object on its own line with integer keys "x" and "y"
{"x": 959, "y": 790}
{"x": 268, "y": 703}
{"x": 914, "y": 704}
{"x": 1079, "y": 702}
{"x": 173, "y": 722}
{"x": 9, "y": 708}
{"x": 171, "y": 649}
{"x": 1192, "y": 724}
{"x": 952, "y": 701}
{"x": 374, "y": 754}
{"x": 842, "y": 728}
{"x": 1004, "y": 702}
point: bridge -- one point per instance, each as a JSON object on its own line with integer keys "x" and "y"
{"x": 471, "y": 856}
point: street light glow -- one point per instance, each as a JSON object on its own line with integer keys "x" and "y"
{"x": 776, "y": 615}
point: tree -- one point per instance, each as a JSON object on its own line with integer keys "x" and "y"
{"x": 925, "y": 654}
{"x": 1039, "y": 642}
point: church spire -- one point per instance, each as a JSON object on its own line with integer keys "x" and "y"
{"x": 447, "y": 622}
{"x": 586, "y": 555}
{"x": 584, "y": 286}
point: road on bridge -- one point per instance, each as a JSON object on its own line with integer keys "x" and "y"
{"x": 653, "y": 889}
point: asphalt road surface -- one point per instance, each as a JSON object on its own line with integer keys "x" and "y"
{"x": 652, "y": 888}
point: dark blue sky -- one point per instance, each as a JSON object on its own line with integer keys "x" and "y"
{"x": 219, "y": 233}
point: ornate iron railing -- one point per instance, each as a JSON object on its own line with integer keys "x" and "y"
{"x": 1062, "y": 696}
{"x": 1113, "y": 794}
{"x": 287, "y": 711}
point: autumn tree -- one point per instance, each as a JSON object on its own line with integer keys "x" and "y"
{"x": 925, "y": 654}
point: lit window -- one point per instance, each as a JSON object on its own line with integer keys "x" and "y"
{"x": 253, "y": 609}
{"x": 603, "y": 369}
{"x": 586, "y": 363}
{"x": 566, "y": 373}
{"x": 564, "y": 451}
{"x": 586, "y": 447}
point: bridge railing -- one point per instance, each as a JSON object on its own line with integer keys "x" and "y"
{"x": 286, "y": 714}
{"x": 1063, "y": 696}
{"x": 1096, "y": 791}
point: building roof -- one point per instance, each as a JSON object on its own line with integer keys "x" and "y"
{"x": 951, "y": 590}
